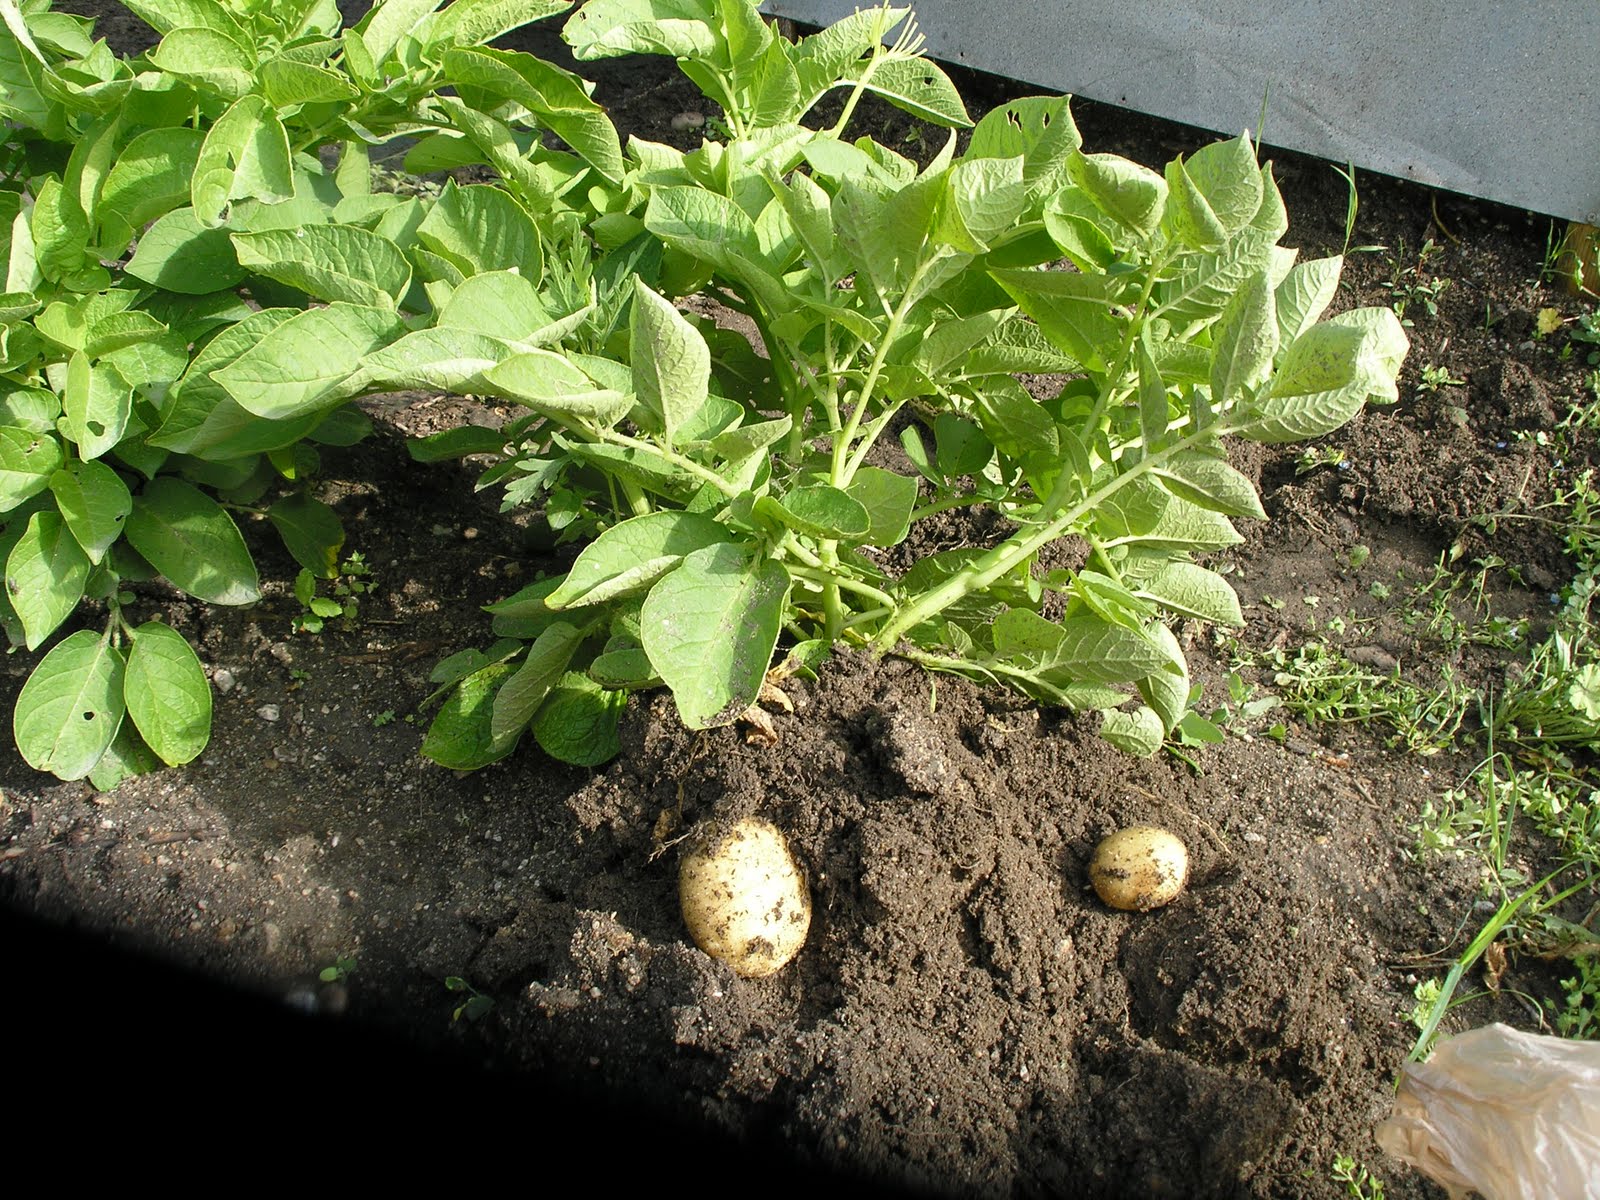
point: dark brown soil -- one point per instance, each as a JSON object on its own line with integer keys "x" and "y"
{"x": 966, "y": 1017}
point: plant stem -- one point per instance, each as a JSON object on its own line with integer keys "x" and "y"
{"x": 984, "y": 570}
{"x": 844, "y": 463}
{"x": 821, "y": 577}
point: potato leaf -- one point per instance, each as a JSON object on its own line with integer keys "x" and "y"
{"x": 70, "y": 708}
{"x": 168, "y": 695}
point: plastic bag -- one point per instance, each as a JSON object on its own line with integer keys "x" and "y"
{"x": 1512, "y": 1115}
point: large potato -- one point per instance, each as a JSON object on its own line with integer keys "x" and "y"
{"x": 743, "y": 897}
{"x": 1139, "y": 868}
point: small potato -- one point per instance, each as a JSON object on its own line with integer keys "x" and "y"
{"x": 1139, "y": 868}
{"x": 743, "y": 897}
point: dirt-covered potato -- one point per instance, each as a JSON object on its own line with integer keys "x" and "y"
{"x": 1139, "y": 868}
{"x": 743, "y": 897}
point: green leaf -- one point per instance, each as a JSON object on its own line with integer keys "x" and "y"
{"x": 299, "y": 366}
{"x": 329, "y": 262}
{"x": 1086, "y": 647}
{"x": 819, "y": 511}
{"x": 207, "y": 58}
{"x": 71, "y": 706}
{"x": 960, "y": 446}
{"x": 28, "y": 459}
{"x": 168, "y": 695}
{"x": 1188, "y": 213}
{"x": 96, "y": 405}
{"x": 1192, "y": 591}
{"x": 710, "y": 627}
{"x": 551, "y": 384}
{"x": 1022, "y": 430}
{"x": 522, "y": 694}
{"x": 1206, "y": 282}
{"x": 608, "y": 28}
{"x": 1326, "y": 375}
{"x": 191, "y": 540}
{"x": 461, "y": 737}
{"x": 983, "y": 200}
{"x": 1073, "y": 310}
{"x": 94, "y": 502}
{"x": 1211, "y": 483}
{"x": 245, "y": 156}
{"x": 387, "y": 24}
{"x": 578, "y": 723}
{"x": 204, "y": 420}
{"x": 1039, "y": 128}
{"x": 1306, "y": 291}
{"x": 1080, "y": 230}
{"x": 126, "y": 757}
{"x": 558, "y": 99}
{"x": 311, "y": 531}
{"x": 439, "y": 359}
{"x": 60, "y": 233}
{"x": 287, "y": 83}
{"x": 1227, "y": 175}
{"x": 629, "y": 557}
{"x": 627, "y": 669}
{"x": 502, "y": 304}
{"x": 1183, "y": 526}
{"x": 1130, "y": 194}
{"x": 822, "y": 59}
{"x": 888, "y": 499}
{"x": 671, "y": 362}
{"x": 149, "y": 179}
{"x": 1244, "y": 341}
{"x": 1018, "y": 346}
{"x": 180, "y": 254}
{"x": 1132, "y": 511}
{"x": 916, "y": 85}
{"x": 472, "y": 22}
{"x": 1139, "y": 732}
{"x": 45, "y": 576}
{"x": 458, "y": 442}
{"x": 702, "y": 223}
{"x": 482, "y": 228}
{"x": 1167, "y": 690}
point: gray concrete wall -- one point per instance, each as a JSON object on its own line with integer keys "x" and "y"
{"x": 1498, "y": 100}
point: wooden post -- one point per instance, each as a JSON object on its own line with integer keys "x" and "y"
{"x": 1578, "y": 260}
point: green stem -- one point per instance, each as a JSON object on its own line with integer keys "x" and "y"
{"x": 821, "y": 577}
{"x": 638, "y": 502}
{"x": 845, "y": 464}
{"x": 984, "y": 570}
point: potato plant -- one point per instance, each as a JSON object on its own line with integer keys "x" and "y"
{"x": 748, "y": 506}
{"x": 198, "y": 276}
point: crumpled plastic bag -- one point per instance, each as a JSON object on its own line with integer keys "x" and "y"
{"x": 1512, "y": 1115}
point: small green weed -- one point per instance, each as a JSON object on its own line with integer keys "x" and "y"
{"x": 343, "y": 967}
{"x": 1434, "y": 378}
{"x": 1412, "y": 288}
{"x": 1359, "y": 1183}
{"x": 1580, "y": 1018}
{"x": 343, "y": 598}
{"x": 1316, "y": 457}
{"x": 475, "y": 1006}
{"x": 1322, "y": 686}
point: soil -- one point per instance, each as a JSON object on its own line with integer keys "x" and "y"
{"x": 966, "y": 1017}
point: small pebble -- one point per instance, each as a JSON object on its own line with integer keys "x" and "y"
{"x": 268, "y": 712}
{"x": 685, "y": 121}
{"x": 223, "y": 678}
